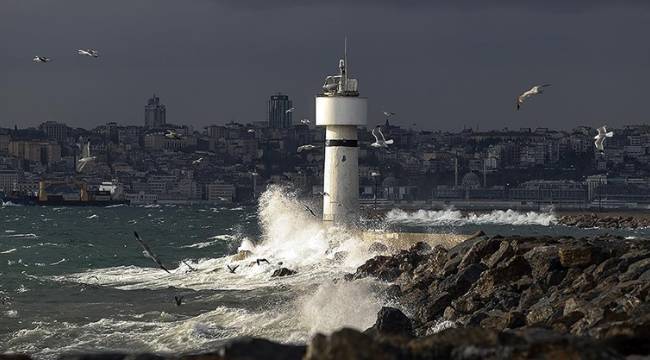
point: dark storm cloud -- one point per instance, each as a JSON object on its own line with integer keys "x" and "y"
{"x": 464, "y": 5}
{"x": 437, "y": 64}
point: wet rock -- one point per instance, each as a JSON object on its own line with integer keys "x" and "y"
{"x": 349, "y": 344}
{"x": 570, "y": 285}
{"x": 377, "y": 247}
{"x": 504, "y": 251}
{"x": 241, "y": 255}
{"x": 391, "y": 322}
{"x": 340, "y": 256}
{"x": 478, "y": 251}
{"x": 575, "y": 256}
{"x": 246, "y": 348}
{"x": 283, "y": 272}
{"x": 459, "y": 283}
{"x": 393, "y": 291}
{"x": 420, "y": 247}
{"x": 511, "y": 270}
{"x": 434, "y": 306}
{"x": 382, "y": 267}
{"x": 542, "y": 260}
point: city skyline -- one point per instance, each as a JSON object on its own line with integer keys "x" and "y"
{"x": 438, "y": 66}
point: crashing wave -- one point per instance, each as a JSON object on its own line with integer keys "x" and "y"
{"x": 458, "y": 218}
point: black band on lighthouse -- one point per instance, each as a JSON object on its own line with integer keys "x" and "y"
{"x": 344, "y": 143}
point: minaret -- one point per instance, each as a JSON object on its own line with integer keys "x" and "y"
{"x": 340, "y": 109}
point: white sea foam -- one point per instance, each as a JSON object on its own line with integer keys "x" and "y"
{"x": 59, "y": 262}
{"x": 8, "y": 204}
{"x": 30, "y": 235}
{"x": 8, "y": 251}
{"x": 215, "y": 240}
{"x": 440, "y": 325}
{"x": 457, "y": 218}
{"x": 290, "y": 235}
{"x": 11, "y": 313}
{"x": 93, "y": 216}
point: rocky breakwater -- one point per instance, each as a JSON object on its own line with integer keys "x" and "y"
{"x": 590, "y": 287}
{"x": 610, "y": 222}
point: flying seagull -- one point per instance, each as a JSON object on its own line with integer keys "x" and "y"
{"x": 380, "y": 143}
{"x": 232, "y": 269}
{"x": 85, "y": 157}
{"x": 261, "y": 261}
{"x": 290, "y": 110}
{"x": 535, "y": 90}
{"x": 150, "y": 253}
{"x": 310, "y": 210}
{"x": 600, "y": 138}
{"x": 251, "y": 131}
{"x": 179, "y": 300}
{"x": 322, "y": 193}
{"x": 305, "y": 121}
{"x": 197, "y": 161}
{"x": 88, "y": 52}
{"x": 41, "y": 59}
{"x": 389, "y": 114}
{"x": 188, "y": 265}
{"x": 171, "y": 134}
{"x": 307, "y": 147}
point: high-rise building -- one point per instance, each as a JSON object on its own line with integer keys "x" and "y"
{"x": 280, "y": 111}
{"x": 154, "y": 113}
{"x": 54, "y": 130}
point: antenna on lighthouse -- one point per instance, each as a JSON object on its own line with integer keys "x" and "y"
{"x": 345, "y": 56}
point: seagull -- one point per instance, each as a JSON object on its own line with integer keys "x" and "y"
{"x": 171, "y": 134}
{"x": 290, "y": 110}
{"x": 380, "y": 143}
{"x": 197, "y": 161}
{"x": 307, "y": 147}
{"x": 179, "y": 300}
{"x": 261, "y": 261}
{"x": 188, "y": 265}
{"x": 232, "y": 269}
{"x": 41, "y": 59}
{"x": 150, "y": 253}
{"x": 251, "y": 131}
{"x": 85, "y": 158}
{"x": 305, "y": 121}
{"x": 389, "y": 114}
{"x": 600, "y": 138}
{"x": 321, "y": 193}
{"x": 310, "y": 210}
{"x": 88, "y": 52}
{"x": 535, "y": 90}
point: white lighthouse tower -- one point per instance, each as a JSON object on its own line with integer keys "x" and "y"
{"x": 340, "y": 109}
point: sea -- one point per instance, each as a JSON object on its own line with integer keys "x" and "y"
{"x": 74, "y": 279}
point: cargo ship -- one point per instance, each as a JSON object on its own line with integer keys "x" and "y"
{"x": 62, "y": 193}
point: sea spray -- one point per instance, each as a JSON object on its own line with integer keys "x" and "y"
{"x": 458, "y": 218}
{"x": 342, "y": 304}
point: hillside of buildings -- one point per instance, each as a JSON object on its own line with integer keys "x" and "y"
{"x": 510, "y": 168}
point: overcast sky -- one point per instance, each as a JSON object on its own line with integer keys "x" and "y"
{"x": 437, "y": 65}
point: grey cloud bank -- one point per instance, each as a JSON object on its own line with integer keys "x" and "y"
{"x": 436, "y": 64}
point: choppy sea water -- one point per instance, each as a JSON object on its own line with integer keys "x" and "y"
{"x": 74, "y": 279}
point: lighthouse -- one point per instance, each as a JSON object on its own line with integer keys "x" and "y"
{"x": 340, "y": 109}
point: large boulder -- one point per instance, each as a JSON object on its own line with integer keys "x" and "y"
{"x": 283, "y": 272}
{"x": 575, "y": 256}
{"x": 391, "y": 322}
